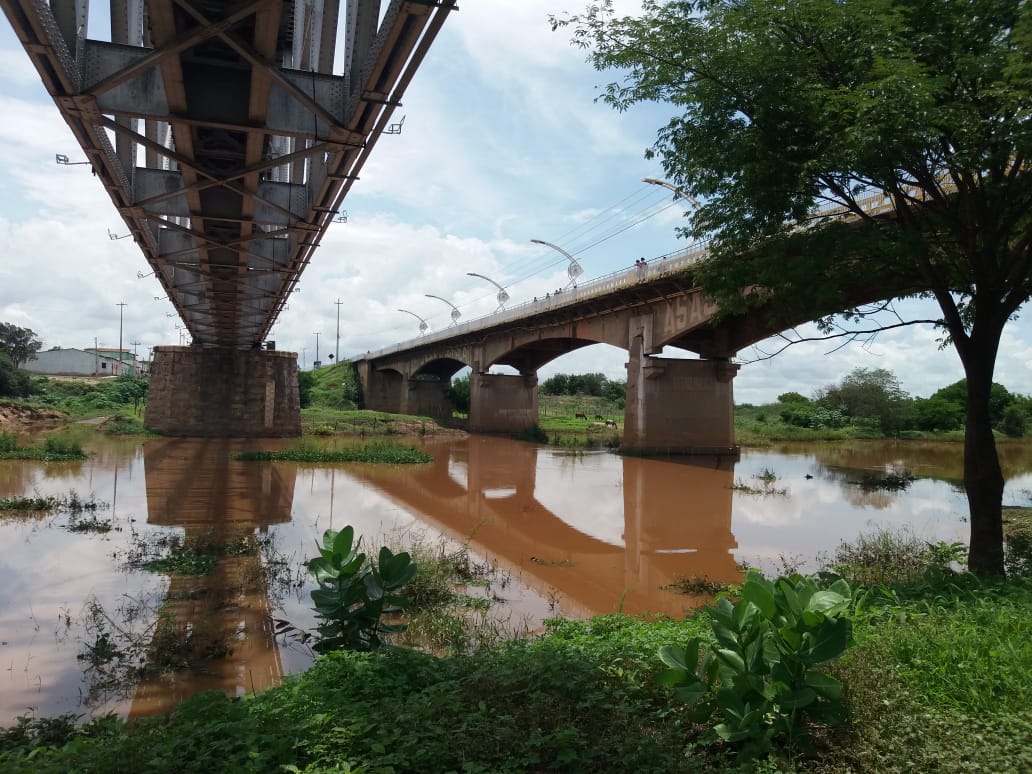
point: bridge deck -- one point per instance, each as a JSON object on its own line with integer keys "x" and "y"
{"x": 248, "y": 142}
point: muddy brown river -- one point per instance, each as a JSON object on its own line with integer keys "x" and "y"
{"x": 576, "y": 533}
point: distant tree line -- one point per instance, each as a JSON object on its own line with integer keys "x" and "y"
{"x": 874, "y": 398}
{"x": 594, "y": 385}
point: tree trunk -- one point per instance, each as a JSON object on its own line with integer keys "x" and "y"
{"x": 983, "y": 478}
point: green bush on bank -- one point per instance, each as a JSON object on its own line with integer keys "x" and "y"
{"x": 93, "y": 398}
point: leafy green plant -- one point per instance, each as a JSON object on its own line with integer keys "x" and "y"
{"x": 760, "y": 678}
{"x": 353, "y": 596}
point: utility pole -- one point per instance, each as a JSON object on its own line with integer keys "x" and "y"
{"x": 316, "y": 363}
{"x": 121, "y": 308}
{"x": 336, "y": 352}
{"x": 134, "y": 344}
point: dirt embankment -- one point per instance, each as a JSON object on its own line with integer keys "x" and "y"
{"x": 15, "y": 417}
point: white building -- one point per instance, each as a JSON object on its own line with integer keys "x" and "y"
{"x": 77, "y": 362}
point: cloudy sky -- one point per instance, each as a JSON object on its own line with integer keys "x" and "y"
{"x": 503, "y": 142}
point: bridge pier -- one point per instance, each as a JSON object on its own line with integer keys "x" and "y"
{"x": 677, "y": 406}
{"x": 391, "y": 391}
{"x": 223, "y": 392}
{"x": 427, "y": 398}
{"x": 502, "y": 403}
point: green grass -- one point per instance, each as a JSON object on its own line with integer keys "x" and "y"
{"x": 370, "y": 452}
{"x": 318, "y": 419}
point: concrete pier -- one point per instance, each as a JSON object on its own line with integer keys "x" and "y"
{"x": 677, "y": 406}
{"x": 221, "y": 392}
{"x": 502, "y": 403}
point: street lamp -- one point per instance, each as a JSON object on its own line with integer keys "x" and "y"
{"x": 455, "y": 313}
{"x": 502, "y": 295}
{"x": 674, "y": 188}
{"x": 64, "y": 162}
{"x": 422, "y": 323}
{"x": 574, "y": 269}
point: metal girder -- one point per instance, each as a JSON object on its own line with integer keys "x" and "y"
{"x": 249, "y": 141}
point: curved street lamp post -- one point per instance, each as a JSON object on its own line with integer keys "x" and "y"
{"x": 422, "y": 323}
{"x": 455, "y": 313}
{"x": 502, "y": 295}
{"x": 574, "y": 270}
{"x": 674, "y": 188}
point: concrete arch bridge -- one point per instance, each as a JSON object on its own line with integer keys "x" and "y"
{"x": 674, "y": 405}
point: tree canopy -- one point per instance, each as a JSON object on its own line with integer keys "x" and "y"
{"x": 912, "y": 117}
{"x": 19, "y": 343}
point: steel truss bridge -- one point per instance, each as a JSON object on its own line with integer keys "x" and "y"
{"x": 234, "y": 142}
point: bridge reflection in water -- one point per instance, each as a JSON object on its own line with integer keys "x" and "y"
{"x": 195, "y": 486}
{"x": 594, "y": 542}
{"x": 563, "y": 524}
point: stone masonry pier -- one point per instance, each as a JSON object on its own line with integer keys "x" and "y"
{"x": 223, "y": 392}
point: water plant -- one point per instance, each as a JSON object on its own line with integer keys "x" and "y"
{"x": 760, "y": 679}
{"x": 55, "y": 448}
{"x": 353, "y": 597}
{"x": 370, "y": 452}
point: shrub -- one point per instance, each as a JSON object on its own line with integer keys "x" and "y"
{"x": 760, "y": 679}
{"x": 353, "y": 596}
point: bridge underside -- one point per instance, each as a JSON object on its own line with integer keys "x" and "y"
{"x": 234, "y": 141}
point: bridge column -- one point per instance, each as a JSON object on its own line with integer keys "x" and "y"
{"x": 222, "y": 392}
{"x": 427, "y": 398}
{"x": 678, "y": 406}
{"x": 502, "y": 403}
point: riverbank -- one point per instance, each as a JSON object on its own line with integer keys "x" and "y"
{"x": 939, "y": 680}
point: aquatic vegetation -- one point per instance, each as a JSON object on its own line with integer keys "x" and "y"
{"x": 370, "y": 452}
{"x": 55, "y": 448}
{"x": 892, "y": 481}
{"x": 71, "y": 503}
{"x": 354, "y": 596}
{"x": 697, "y": 584}
{"x": 884, "y": 557}
{"x": 36, "y": 504}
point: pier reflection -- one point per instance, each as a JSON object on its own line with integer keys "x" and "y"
{"x": 601, "y": 550}
{"x": 194, "y": 485}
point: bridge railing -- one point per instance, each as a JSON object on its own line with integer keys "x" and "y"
{"x": 875, "y": 204}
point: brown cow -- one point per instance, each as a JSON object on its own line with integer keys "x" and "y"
{"x": 610, "y": 423}
{"x": 579, "y": 415}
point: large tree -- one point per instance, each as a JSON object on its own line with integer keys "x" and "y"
{"x": 783, "y": 108}
{"x": 19, "y": 343}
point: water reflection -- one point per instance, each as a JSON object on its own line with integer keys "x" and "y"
{"x": 193, "y": 484}
{"x": 598, "y": 530}
{"x": 579, "y": 533}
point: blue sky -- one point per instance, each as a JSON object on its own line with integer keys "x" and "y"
{"x": 503, "y": 142}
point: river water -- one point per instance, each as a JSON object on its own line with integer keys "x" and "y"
{"x": 578, "y": 533}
